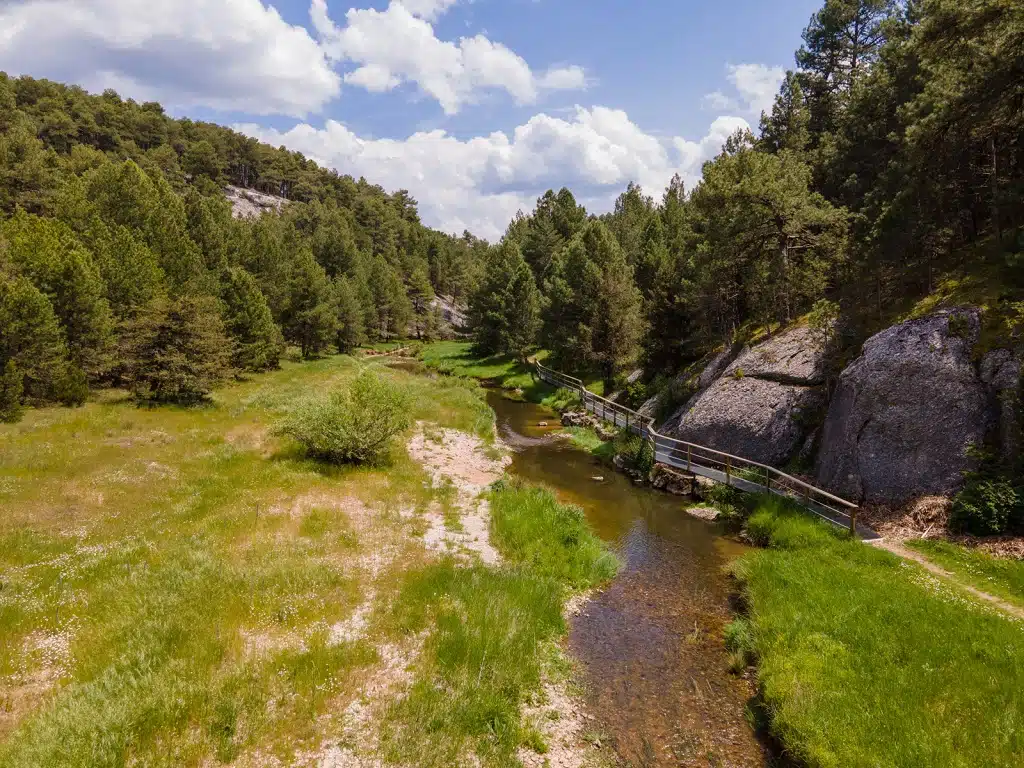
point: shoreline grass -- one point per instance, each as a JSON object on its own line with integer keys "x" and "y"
{"x": 492, "y": 633}
{"x": 865, "y": 659}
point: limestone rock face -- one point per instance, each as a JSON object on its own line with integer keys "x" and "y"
{"x": 905, "y": 412}
{"x": 760, "y": 403}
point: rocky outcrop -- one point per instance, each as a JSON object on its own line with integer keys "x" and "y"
{"x": 905, "y": 413}
{"x": 761, "y": 403}
{"x": 248, "y": 203}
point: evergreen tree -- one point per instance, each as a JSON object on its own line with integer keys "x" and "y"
{"x": 840, "y": 44}
{"x": 421, "y": 296}
{"x": 175, "y": 350}
{"x": 505, "y": 311}
{"x": 351, "y": 331}
{"x": 787, "y": 125}
{"x": 258, "y": 342}
{"x": 130, "y": 271}
{"x": 652, "y": 258}
{"x": 309, "y": 320}
{"x": 27, "y": 177}
{"x": 47, "y": 253}
{"x": 33, "y": 355}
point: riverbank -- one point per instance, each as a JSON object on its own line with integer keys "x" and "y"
{"x": 183, "y": 585}
{"x": 863, "y": 658}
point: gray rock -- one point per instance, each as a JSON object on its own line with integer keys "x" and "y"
{"x": 762, "y": 401}
{"x": 796, "y": 356}
{"x": 1000, "y": 371}
{"x": 904, "y": 413}
{"x": 760, "y": 420}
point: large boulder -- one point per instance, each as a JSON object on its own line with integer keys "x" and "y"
{"x": 906, "y": 411}
{"x": 759, "y": 404}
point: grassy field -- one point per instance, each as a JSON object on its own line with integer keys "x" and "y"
{"x": 998, "y": 576}
{"x": 457, "y": 358}
{"x": 179, "y": 586}
{"x": 864, "y": 659}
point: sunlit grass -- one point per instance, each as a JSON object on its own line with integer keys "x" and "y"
{"x": 491, "y": 632}
{"x": 169, "y": 575}
{"x": 999, "y": 576}
{"x": 865, "y": 659}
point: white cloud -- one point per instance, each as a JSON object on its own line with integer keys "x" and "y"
{"x": 428, "y": 9}
{"x": 480, "y": 183}
{"x": 756, "y": 86}
{"x": 398, "y": 45}
{"x": 226, "y": 54}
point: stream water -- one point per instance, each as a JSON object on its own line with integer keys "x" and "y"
{"x": 650, "y": 645}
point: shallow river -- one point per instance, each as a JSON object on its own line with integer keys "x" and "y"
{"x": 651, "y": 643}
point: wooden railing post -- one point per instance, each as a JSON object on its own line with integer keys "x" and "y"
{"x": 853, "y": 522}
{"x": 689, "y": 459}
{"x": 728, "y": 470}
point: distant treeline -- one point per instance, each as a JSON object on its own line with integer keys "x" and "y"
{"x": 120, "y": 262}
{"x": 892, "y": 160}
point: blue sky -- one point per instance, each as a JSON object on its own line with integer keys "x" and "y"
{"x": 475, "y": 106}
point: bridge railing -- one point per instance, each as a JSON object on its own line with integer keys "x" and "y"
{"x": 732, "y": 470}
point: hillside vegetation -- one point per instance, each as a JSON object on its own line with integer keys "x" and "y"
{"x": 121, "y": 263}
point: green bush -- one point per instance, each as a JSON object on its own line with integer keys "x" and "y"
{"x": 635, "y": 451}
{"x": 988, "y": 506}
{"x": 73, "y": 388}
{"x": 354, "y": 425}
{"x": 636, "y": 394}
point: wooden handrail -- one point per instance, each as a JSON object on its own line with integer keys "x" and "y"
{"x": 646, "y": 429}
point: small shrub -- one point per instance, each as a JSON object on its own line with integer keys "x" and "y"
{"x": 988, "y": 506}
{"x": 354, "y": 425}
{"x": 959, "y": 326}
{"x": 10, "y": 393}
{"x": 738, "y": 373}
{"x": 635, "y": 451}
{"x": 636, "y": 394}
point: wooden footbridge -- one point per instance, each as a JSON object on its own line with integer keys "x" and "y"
{"x": 735, "y": 471}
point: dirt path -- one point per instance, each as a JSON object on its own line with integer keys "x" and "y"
{"x": 998, "y": 603}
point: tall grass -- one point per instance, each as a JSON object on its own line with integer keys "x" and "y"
{"x": 491, "y": 632}
{"x": 864, "y": 659}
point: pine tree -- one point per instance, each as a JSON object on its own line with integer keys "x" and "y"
{"x": 421, "y": 295}
{"x": 505, "y": 311}
{"x": 787, "y": 125}
{"x": 309, "y": 320}
{"x": 258, "y": 342}
{"x": 175, "y": 350}
{"x": 31, "y": 342}
{"x": 652, "y": 258}
{"x": 351, "y": 331}
{"x": 47, "y": 253}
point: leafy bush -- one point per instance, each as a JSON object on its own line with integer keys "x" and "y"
{"x": 73, "y": 388}
{"x": 987, "y": 506}
{"x": 636, "y": 394}
{"x": 635, "y": 451}
{"x": 354, "y": 425}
